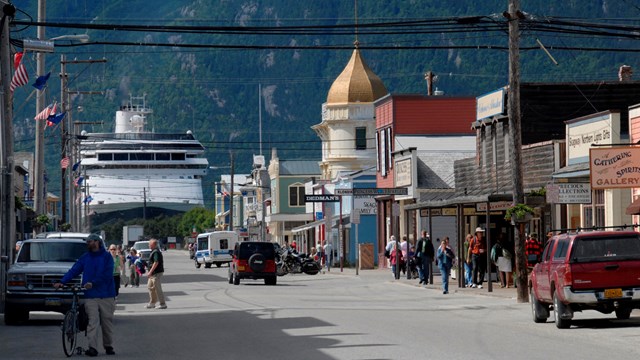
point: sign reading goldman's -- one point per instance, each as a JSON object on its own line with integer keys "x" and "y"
{"x": 614, "y": 167}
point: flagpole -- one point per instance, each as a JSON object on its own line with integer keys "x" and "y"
{"x": 38, "y": 174}
{"x": 63, "y": 144}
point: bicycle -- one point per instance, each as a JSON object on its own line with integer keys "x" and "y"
{"x": 70, "y": 323}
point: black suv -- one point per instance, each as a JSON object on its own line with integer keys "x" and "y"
{"x": 253, "y": 260}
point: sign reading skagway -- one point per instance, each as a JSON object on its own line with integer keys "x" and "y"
{"x": 614, "y": 167}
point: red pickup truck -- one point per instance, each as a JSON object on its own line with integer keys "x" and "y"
{"x": 597, "y": 270}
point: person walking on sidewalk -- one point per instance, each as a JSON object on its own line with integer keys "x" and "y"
{"x": 468, "y": 281}
{"x": 155, "y": 273}
{"x": 445, "y": 258}
{"x": 425, "y": 254}
{"x": 477, "y": 252}
{"x": 96, "y": 267}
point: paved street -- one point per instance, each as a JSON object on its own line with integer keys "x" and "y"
{"x": 330, "y": 316}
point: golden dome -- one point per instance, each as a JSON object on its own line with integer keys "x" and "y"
{"x": 356, "y": 83}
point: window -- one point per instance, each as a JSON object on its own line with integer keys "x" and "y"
{"x": 120, "y": 156}
{"x": 361, "y": 138}
{"x": 587, "y": 210}
{"x": 606, "y": 248}
{"x": 163, "y": 157}
{"x": 561, "y": 249}
{"x": 296, "y": 195}
{"x": 177, "y": 156}
{"x": 105, "y": 157}
{"x": 141, "y": 157}
{"x": 547, "y": 250}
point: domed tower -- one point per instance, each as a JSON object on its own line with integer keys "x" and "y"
{"x": 348, "y": 122}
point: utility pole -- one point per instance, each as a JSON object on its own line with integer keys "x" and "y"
{"x": 514, "y": 15}
{"x": 231, "y": 195}
{"x": 64, "y": 133}
{"x": 39, "y": 197}
{"x": 7, "y": 211}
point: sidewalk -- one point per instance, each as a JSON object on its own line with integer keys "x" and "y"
{"x": 386, "y": 276}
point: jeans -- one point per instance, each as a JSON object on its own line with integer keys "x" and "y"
{"x": 467, "y": 274}
{"x": 479, "y": 262}
{"x": 423, "y": 269}
{"x": 445, "y": 271}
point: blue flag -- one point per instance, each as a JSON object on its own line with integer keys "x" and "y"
{"x": 75, "y": 166}
{"x": 41, "y": 81}
{"x": 55, "y": 119}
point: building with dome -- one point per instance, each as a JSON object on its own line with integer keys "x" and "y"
{"x": 348, "y": 124}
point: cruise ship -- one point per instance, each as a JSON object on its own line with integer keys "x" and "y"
{"x": 135, "y": 173}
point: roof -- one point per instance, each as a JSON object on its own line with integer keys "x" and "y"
{"x": 299, "y": 167}
{"x": 356, "y": 83}
{"x": 435, "y": 168}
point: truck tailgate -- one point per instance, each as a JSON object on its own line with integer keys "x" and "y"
{"x": 605, "y": 274}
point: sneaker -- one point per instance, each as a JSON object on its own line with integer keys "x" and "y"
{"x": 109, "y": 350}
{"x": 161, "y": 307}
{"x": 91, "y": 352}
{"x": 149, "y": 306}
{"x": 479, "y": 286}
{"x": 473, "y": 286}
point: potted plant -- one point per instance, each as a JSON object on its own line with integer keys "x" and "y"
{"x": 519, "y": 213}
{"x": 536, "y": 197}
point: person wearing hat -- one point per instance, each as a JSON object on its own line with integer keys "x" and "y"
{"x": 96, "y": 267}
{"x": 477, "y": 253}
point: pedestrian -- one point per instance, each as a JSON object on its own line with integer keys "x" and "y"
{"x": 328, "y": 254}
{"x": 403, "y": 247}
{"x": 468, "y": 281}
{"x": 320, "y": 253}
{"x": 445, "y": 258}
{"x": 155, "y": 273}
{"x": 477, "y": 252}
{"x": 313, "y": 254}
{"x": 134, "y": 275}
{"x": 532, "y": 250}
{"x": 96, "y": 267}
{"x": 392, "y": 244}
{"x": 118, "y": 264}
{"x": 425, "y": 254}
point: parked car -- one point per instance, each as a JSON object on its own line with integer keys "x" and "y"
{"x": 143, "y": 249}
{"x": 253, "y": 260}
{"x": 586, "y": 271}
{"x": 39, "y": 264}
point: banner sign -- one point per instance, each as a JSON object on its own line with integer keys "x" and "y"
{"x": 614, "y": 167}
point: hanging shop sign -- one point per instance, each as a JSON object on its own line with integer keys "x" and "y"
{"x": 614, "y": 167}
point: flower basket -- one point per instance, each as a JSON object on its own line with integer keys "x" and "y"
{"x": 519, "y": 213}
{"x": 521, "y": 219}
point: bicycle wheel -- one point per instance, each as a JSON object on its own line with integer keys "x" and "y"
{"x": 69, "y": 333}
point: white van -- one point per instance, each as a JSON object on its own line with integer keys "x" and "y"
{"x": 215, "y": 248}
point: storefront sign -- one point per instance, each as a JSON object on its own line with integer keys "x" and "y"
{"x": 498, "y": 205}
{"x": 402, "y": 174}
{"x": 615, "y": 167}
{"x": 569, "y": 193}
{"x": 365, "y": 206}
{"x": 490, "y": 104}
{"x": 582, "y": 133}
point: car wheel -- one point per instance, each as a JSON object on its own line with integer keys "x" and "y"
{"x": 14, "y": 316}
{"x": 539, "y": 311}
{"x": 236, "y": 279}
{"x": 207, "y": 265}
{"x": 257, "y": 262}
{"x": 218, "y": 264}
{"x": 623, "y": 313}
{"x": 197, "y": 264}
{"x": 559, "y": 308}
{"x": 271, "y": 280}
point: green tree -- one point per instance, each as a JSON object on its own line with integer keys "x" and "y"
{"x": 198, "y": 217}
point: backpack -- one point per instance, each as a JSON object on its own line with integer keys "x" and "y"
{"x": 496, "y": 252}
{"x": 83, "y": 318}
{"x": 141, "y": 266}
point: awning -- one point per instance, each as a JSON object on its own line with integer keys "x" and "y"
{"x": 572, "y": 171}
{"x": 334, "y": 221}
{"x": 634, "y": 208}
{"x": 222, "y": 214}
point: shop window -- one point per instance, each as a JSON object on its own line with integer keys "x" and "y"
{"x": 597, "y": 205}
{"x": 296, "y": 195}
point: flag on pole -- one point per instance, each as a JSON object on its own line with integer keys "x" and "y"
{"x": 48, "y": 111}
{"x": 64, "y": 163}
{"x": 55, "y": 119}
{"x": 41, "y": 81}
{"x": 79, "y": 180}
{"x": 87, "y": 199}
{"x": 20, "y": 76}
{"x": 75, "y": 166}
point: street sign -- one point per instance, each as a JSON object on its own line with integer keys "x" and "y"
{"x": 380, "y": 191}
{"x": 322, "y": 198}
{"x": 343, "y": 191}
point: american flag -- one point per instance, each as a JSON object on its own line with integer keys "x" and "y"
{"x": 20, "y": 76}
{"x": 48, "y": 111}
{"x": 64, "y": 163}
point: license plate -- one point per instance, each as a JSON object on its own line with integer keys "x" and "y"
{"x": 52, "y": 302}
{"x": 240, "y": 268}
{"x": 612, "y": 293}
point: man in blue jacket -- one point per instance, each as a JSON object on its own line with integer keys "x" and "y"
{"x": 96, "y": 266}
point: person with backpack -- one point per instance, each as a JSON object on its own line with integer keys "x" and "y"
{"x": 96, "y": 267}
{"x": 134, "y": 274}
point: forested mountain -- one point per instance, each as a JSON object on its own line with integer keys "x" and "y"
{"x": 214, "y": 91}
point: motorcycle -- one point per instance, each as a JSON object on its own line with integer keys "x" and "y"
{"x": 288, "y": 262}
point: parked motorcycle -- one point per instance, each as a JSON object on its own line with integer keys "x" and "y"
{"x": 288, "y": 262}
